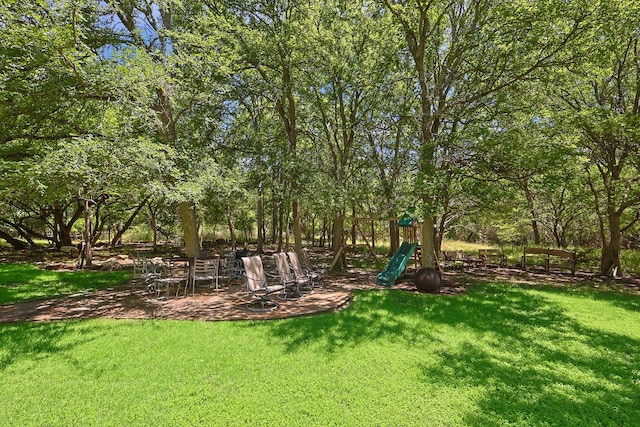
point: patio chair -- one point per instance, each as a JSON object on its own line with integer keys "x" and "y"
{"x": 257, "y": 285}
{"x": 288, "y": 278}
{"x": 312, "y": 279}
{"x": 167, "y": 277}
{"x": 234, "y": 268}
{"x": 318, "y": 271}
{"x": 145, "y": 271}
{"x": 204, "y": 270}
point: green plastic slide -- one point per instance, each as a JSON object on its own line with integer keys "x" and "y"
{"x": 397, "y": 264}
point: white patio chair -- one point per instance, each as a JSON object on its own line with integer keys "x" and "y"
{"x": 204, "y": 270}
{"x": 167, "y": 276}
{"x": 234, "y": 268}
{"x": 145, "y": 271}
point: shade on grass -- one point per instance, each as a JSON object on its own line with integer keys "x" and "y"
{"x": 500, "y": 355}
{"x": 22, "y": 282}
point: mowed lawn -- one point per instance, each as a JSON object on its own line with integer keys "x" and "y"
{"x": 24, "y": 282}
{"x": 499, "y": 355}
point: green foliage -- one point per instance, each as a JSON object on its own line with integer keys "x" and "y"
{"x": 24, "y": 282}
{"x": 492, "y": 115}
{"x": 500, "y": 355}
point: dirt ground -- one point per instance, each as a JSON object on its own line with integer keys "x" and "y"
{"x": 133, "y": 301}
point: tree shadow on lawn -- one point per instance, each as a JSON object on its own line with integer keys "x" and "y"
{"x": 532, "y": 363}
{"x": 37, "y": 341}
{"x": 542, "y": 367}
{"x": 19, "y": 282}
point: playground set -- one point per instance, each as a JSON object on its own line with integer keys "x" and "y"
{"x": 407, "y": 250}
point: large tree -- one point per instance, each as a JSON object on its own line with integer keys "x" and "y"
{"x": 463, "y": 53}
{"x": 345, "y": 90}
{"x": 163, "y": 57}
{"x": 267, "y": 37}
{"x": 600, "y": 97}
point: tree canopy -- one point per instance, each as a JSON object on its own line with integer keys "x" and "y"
{"x": 283, "y": 116}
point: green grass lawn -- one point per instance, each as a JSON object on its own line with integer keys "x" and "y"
{"x": 23, "y": 282}
{"x": 500, "y": 355}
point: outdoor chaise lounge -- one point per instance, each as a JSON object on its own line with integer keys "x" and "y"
{"x": 257, "y": 285}
{"x": 311, "y": 277}
{"x": 292, "y": 283}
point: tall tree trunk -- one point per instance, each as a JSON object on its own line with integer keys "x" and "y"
{"x": 323, "y": 236}
{"x": 532, "y": 212}
{"x": 373, "y": 235}
{"x": 118, "y": 236}
{"x": 231, "y": 227}
{"x": 190, "y": 229}
{"x": 427, "y": 154}
{"x": 338, "y": 242}
{"x": 394, "y": 233}
{"x": 610, "y": 257}
{"x": 287, "y": 233}
{"x": 427, "y": 245}
{"x": 274, "y": 218}
{"x": 354, "y": 237}
{"x": 87, "y": 233}
{"x": 297, "y": 225}
{"x": 260, "y": 221}
{"x": 280, "y": 227}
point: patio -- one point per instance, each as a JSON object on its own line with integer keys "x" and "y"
{"x": 131, "y": 301}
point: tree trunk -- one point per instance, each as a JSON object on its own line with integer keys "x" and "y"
{"x": 323, "y": 235}
{"x": 64, "y": 228}
{"x": 373, "y": 235}
{"x": 17, "y": 244}
{"x": 439, "y": 235}
{"x": 354, "y": 237}
{"x": 232, "y": 229}
{"x": 287, "y": 233}
{"x": 297, "y": 226}
{"x": 87, "y": 233}
{"x": 338, "y": 242}
{"x": 260, "y": 221}
{"x": 280, "y": 227}
{"x": 25, "y": 233}
{"x": 274, "y": 218}
{"x": 313, "y": 231}
{"x": 610, "y": 257}
{"x": 532, "y": 211}
{"x": 98, "y": 225}
{"x": 427, "y": 244}
{"x": 394, "y": 233}
{"x": 118, "y": 236}
{"x": 190, "y": 229}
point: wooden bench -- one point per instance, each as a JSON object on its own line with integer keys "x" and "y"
{"x": 548, "y": 258}
{"x": 492, "y": 257}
